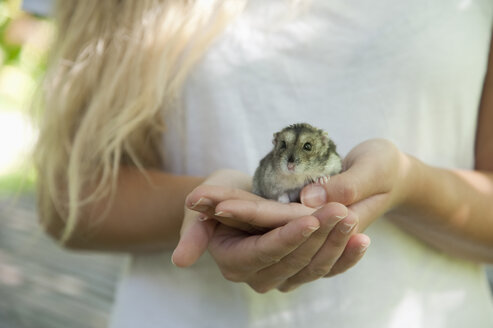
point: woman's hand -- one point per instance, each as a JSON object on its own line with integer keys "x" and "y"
{"x": 376, "y": 178}
{"x": 195, "y": 232}
{"x": 302, "y": 246}
{"x": 302, "y": 250}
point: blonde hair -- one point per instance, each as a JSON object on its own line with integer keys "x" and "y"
{"x": 116, "y": 66}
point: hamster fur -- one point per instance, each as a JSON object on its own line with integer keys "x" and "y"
{"x": 302, "y": 154}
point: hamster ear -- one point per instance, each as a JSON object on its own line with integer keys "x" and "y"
{"x": 274, "y": 138}
{"x": 325, "y": 138}
{"x": 327, "y": 141}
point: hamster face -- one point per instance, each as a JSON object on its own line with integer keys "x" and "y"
{"x": 302, "y": 154}
{"x": 300, "y": 151}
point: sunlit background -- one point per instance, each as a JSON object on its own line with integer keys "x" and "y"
{"x": 41, "y": 285}
{"x": 24, "y": 43}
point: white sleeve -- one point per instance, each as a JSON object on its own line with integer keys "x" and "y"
{"x": 38, "y": 7}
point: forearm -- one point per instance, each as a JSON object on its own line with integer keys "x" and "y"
{"x": 451, "y": 210}
{"x": 145, "y": 214}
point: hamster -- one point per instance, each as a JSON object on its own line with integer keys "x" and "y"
{"x": 302, "y": 155}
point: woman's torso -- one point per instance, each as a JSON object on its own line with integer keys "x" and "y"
{"x": 408, "y": 71}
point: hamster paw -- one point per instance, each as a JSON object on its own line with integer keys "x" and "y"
{"x": 322, "y": 180}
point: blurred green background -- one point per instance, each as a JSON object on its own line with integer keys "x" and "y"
{"x": 24, "y": 44}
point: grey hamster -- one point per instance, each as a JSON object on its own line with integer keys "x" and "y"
{"x": 302, "y": 155}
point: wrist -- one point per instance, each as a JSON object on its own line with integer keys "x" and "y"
{"x": 412, "y": 178}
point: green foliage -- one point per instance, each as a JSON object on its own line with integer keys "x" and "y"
{"x": 10, "y": 52}
{"x": 17, "y": 182}
{"x": 24, "y": 42}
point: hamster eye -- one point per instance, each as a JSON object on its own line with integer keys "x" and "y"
{"x": 307, "y": 146}
{"x": 283, "y": 144}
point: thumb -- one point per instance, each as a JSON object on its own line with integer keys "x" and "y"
{"x": 357, "y": 183}
{"x": 373, "y": 167}
{"x": 193, "y": 242}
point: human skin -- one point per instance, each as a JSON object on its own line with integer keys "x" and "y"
{"x": 296, "y": 236}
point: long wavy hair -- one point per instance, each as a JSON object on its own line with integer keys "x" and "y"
{"x": 117, "y": 66}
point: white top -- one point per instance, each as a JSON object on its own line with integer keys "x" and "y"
{"x": 408, "y": 71}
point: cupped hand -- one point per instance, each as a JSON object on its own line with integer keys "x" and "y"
{"x": 377, "y": 177}
{"x": 299, "y": 245}
{"x": 195, "y": 232}
{"x": 302, "y": 250}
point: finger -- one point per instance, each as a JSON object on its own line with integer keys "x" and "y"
{"x": 327, "y": 256}
{"x": 273, "y": 276}
{"x": 355, "y": 250}
{"x": 205, "y": 198}
{"x": 366, "y": 175}
{"x": 238, "y": 224}
{"x": 193, "y": 242}
{"x": 366, "y": 211}
{"x": 369, "y": 209}
{"x": 261, "y": 213}
{"x": 346, "y": 188}
{"x": 241, "y": 256}
{"x": 216, "y": 194}
{"x": 346, "y": 256}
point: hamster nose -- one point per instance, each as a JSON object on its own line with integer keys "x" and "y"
{"x": 291, "y": 159}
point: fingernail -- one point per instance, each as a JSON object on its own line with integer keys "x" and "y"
{"x": 364, "y": 247}
{"x": 202, "y": 201}
{"x": 346, "y": 227}
{"x": 173, "y": 262}
{"x": 223, "y": 214}
{"x": 202, "y": 204}
{"x": 314, "y": 196}
{"x": 344, "y": 215}
{"x": 202, "y": 217}
{"x": 309, "y": 230}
